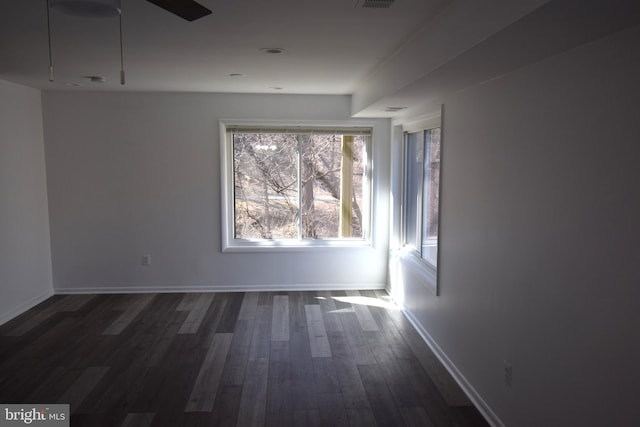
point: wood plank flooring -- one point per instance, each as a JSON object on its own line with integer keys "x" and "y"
{"x": 229, "y": 359}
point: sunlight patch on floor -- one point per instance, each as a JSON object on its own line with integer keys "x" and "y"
{"x": 371, "y": 302}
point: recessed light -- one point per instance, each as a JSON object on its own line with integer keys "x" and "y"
{"x": 275, "y": 87}
{"x": 236, "y": 75}
{"x": 272, "y": 50}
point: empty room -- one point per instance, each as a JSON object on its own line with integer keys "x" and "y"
{"x": 296, "y": 213}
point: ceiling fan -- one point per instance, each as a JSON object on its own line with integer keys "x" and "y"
{"x": 186, "y": 9}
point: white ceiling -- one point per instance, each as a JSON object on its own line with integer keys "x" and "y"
{"x": 330, "y": 45}
{"x": 409, "y": 55}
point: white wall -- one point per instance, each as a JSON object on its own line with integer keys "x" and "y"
{"x": 25, "y": 251}
{"x": 540, "y": 261}
{"x": 461, "y": 25}
{"x": 138, "y": 173}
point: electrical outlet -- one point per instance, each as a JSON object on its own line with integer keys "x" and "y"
{"x": 146, "y": 260}
{"x": 508, "y": 373}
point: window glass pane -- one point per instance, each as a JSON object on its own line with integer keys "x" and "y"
{"x": 414, "y": 155}
{"x": 320, "y": 185}
{"x": 324, "y": 158}
{"x": 359, "y": 174}
{"x": 290, "y": 186}
{"x": 265, "y": 186}
{"x": 431, "y": 195}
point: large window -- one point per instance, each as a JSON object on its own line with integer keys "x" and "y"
{"x": 297, "y": 187}
{"x": 422, "y": 193}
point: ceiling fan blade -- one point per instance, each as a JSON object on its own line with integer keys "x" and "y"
{"x": 187, "y": 9}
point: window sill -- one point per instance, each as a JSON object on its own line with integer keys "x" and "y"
{"x": 427, "y": 273}
{"x": 294, "y": 245}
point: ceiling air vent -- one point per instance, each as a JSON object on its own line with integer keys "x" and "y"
{"x": 394, "y": 109}
{"x": 375, "y": 3}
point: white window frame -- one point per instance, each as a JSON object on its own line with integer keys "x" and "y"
{"x": 232, "y": 244}
{"x": 411, "y": 257}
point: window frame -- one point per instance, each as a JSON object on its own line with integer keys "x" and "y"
{"x": 413, "y": 252}
{"x": 232, "y": 244}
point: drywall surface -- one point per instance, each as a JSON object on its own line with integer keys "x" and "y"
{"x": 25, "y": 252}
{"x": 459, "y": 26}
{"x": 540, "y": 224}
{"x": 139, "y": 173}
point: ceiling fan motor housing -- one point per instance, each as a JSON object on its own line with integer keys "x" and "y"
{"x": 87, "y": 8}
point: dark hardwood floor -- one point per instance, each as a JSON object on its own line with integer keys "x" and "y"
{"x": 229, "y": 359}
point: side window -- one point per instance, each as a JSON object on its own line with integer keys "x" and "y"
{"x": 422, "y": 193}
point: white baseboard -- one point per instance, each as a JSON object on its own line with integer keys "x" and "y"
{"x": 21, "y": 308}
{"x": 216, "y": 288}
{"x": 467, "y": 388}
